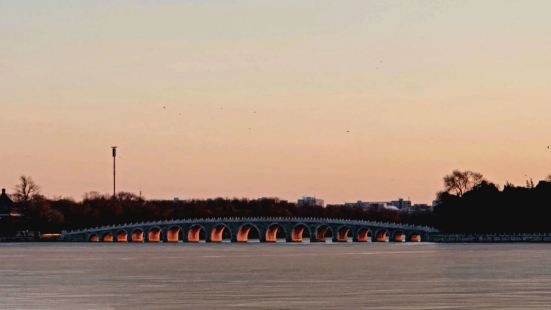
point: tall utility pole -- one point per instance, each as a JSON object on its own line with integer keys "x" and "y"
{"x": 114, "y": 171}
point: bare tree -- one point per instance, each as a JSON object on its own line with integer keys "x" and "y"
{"x": 26, "y": 189}
{"x": 530, "y": 183}
{"x": 460, "y": 182}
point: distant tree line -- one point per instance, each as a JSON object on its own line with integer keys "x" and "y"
{"x": 96, "y": 210}
{"x": 468, "y": 204}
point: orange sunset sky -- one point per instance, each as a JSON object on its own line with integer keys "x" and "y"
{"x": 344, "y": 100}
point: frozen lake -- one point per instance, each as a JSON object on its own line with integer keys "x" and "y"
{"x": 275, "y": 276}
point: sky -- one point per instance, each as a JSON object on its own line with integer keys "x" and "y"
{"x": 343, "y": 100}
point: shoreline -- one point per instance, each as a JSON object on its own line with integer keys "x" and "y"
{"x": 491, "y": 238}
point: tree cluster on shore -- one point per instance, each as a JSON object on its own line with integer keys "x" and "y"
{"x": 485, "y": 208}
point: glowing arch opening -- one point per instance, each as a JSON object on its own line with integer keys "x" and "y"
{"x": 343, "y": 234}
{"x": 122, "y": 236}
{"x": 246, "y": 232}
{"x": 382, "y": 236}
{"x": 323, "y": 233}
{"x": 173, "y": 234}
{"x": 415, "y": 238}
{"x": 364, "y": 235}
{"x": 137, "y": 236}
{"x": 219, "y": 233}
{"x": 196, "y": 234}
{"x": 399, "y": 237}
{"x": 94, "y": 238}
{"x": 298, "y": 232}
{"x": 108, "y": 237}
{"x": 274, "y": 232}
{"x": 154, "y": 235}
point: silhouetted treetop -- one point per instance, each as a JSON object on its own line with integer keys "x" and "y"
{"x": 26, "y": 189}
{"x": 459, "y": 182}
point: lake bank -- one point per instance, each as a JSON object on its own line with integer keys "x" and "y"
{"x": 490, "y": 238}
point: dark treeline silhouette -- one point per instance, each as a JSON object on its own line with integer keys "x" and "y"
{"x": 468, "y": 204}
{"x": 48, "y": 215}
{"x": 487, "y": 209}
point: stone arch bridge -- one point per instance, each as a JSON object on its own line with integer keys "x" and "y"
{"x": 248, "y": 229}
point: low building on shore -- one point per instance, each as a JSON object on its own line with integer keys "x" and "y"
{"x": 13, "y": 226}
{"x": 401, "y": 203}
{"x": 7, "y": 206}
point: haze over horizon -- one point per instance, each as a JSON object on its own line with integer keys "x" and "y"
{"x": 363, "y": 101}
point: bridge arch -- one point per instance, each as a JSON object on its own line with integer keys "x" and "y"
{"x": 363, "y": 235}
{"x": 343, "y": 233}
{"x": 275, "y": 231}
{"x": 219, "y": 232}
{"x": 196, "y": 233}
{"x": 246, "y": 232}
{"x": 107, "y": 237}
{"x": 322, "y": 233}
{"x": 154, "y": 234}
{"x": 122, "y": 236}
{"x": 173, "y": 233}
{"x": 399, "y": 236}
{"x": 382, "y": 235}
{"x": 93, "y": 238}
{"x": 297, "y": 233}
{"x": 137, "y": 235}
{"x": 415, "y": 237}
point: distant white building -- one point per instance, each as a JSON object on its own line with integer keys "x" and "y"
{"x": 401, "y": 203}
{"x": 308, "y": 201}
{"x": 372, "y": 205}
{"x": 390, "y": 207}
